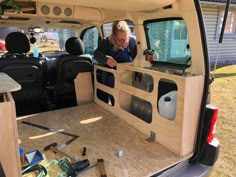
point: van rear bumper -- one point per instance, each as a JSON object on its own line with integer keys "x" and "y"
{"x": 198, "y": 169}
{"x": 186, "y": 170}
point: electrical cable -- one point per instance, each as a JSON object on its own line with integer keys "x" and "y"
{"x": 63, "y": 162}
{"x": 42, "y": 171}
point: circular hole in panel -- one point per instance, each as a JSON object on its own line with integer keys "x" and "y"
{"x": 57, "y": 10}
{"x": 68, "y": 12}
{"x": 45, "y": 10}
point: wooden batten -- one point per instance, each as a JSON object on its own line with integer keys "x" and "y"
{"x": 9, "y": 150}
{"x": 178, "y": 135}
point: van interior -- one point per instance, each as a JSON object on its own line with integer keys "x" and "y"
{"x": 53, "y": 93}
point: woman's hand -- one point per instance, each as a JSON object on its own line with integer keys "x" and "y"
{"x": 111, "y": 62}
{"x": 149, "y": 57}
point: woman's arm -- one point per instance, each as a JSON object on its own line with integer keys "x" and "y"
{"x": 100, "y": 53}
{"x": 133, "y": 46}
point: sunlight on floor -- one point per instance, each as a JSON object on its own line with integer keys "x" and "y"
{"x": 90, "y": 120}
{"x": 45, "y": 135}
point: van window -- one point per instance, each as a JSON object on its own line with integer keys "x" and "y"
{"x": 63, "y": 35}
{"x": 90, "y": 40}
{"x": 169, "y": 40}
{"x": 50, "y": 40}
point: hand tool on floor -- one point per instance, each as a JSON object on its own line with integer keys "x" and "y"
{"x": 66, "y": 166}
{"x": 74, "y": 137}
{"x": 81, "y": 165}
{"x": 101, "y": 167}
{"x": 84, "y": 151}
{"x": 53, "y": 148}
{"x": 70, "y": 168}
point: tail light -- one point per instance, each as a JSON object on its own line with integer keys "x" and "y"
{"x": 214, "y": 115}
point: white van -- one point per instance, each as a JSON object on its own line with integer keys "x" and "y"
{"x": 161, "y": 123}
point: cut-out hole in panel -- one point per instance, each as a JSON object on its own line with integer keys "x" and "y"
{"x": 139, "y": 80}
{"x": 167, "y": 98}
{"x": 1, "y": 98}
{"x": 105, "y": 97}
{"x": 105, "y": 78}
{"x": 136, "y": 106}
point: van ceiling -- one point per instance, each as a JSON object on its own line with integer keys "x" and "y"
{"x": 130, "y": 5}
{"x": 71, "y": 13}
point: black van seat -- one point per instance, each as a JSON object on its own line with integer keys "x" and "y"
{"x": 27, "y": 71}
{"x": 68, "y": 66}
{"x": 17, "y": 45}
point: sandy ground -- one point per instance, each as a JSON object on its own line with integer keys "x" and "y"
{"x": 224, "y": 96}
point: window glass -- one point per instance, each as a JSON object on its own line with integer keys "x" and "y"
{"x": 63, "y": 35}
{"x": 106, "y": 29}
{"x": 230, "y": 27}
{"x": 50, "y": 40}
{"x": 90, "y": 40}
{"x": 169, "y": 40}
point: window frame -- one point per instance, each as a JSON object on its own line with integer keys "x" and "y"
{"x": 164, "y": 63}
{"x": 220, "y": 22}
{"x": 84, "y": 32}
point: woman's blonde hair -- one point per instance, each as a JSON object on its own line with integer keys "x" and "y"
{"x": 120, "y": 26}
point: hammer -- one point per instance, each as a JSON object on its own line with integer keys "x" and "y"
{"x": 53, "y": 148}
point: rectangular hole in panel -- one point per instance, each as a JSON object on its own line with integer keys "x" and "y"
{"x": 140, "y": 108}
{"x": 1, "y": 98}
{"x": 167, "y": 98}
{"x": 105, "y": 78}
{"x": 105, "y": 97}
{"x": 139, "y": 80}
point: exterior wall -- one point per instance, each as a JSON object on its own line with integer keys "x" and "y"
{"x": 228, "y": 46}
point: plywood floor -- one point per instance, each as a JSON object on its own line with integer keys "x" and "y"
{"x": 103, "y": 134}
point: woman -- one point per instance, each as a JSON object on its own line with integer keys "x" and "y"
{"x": 119, "y": 47}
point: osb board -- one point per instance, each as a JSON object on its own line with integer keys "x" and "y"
{"x": 8, "y": 84}
{"x": 103, "y": 134}
{"x": 181, "y": 131}
{"x": 9, "y": 156}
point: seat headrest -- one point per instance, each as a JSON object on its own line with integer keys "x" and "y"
{"x": 17, "y": 42}
{"x": 74, "y": 46}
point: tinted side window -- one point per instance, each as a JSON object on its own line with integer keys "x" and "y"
{"x": 90, "y": 40}
{"x": 169, "y": 40}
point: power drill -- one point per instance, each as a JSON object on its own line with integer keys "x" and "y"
{"x": 66, "y": 167}
{"x": 71, "y": 170}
